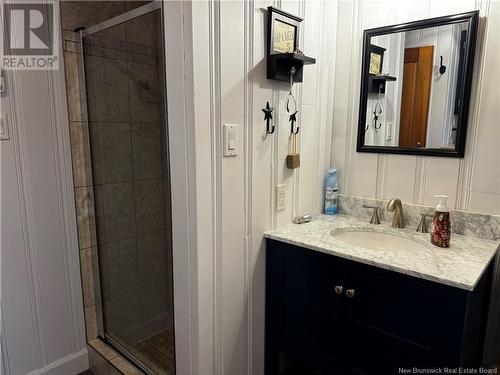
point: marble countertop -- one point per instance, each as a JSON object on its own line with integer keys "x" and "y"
{"x": 461, "y": 265}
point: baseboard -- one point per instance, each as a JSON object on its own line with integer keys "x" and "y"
{"x": 73, "y": 364}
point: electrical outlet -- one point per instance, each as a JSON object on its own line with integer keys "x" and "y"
{"x": 280, "y": 197}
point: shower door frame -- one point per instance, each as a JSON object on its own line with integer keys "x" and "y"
{"x": 114, "y": 21}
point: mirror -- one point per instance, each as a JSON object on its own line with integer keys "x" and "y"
{"x": 415, "y": 86}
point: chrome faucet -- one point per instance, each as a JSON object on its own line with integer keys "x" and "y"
{"x": 396, "y": 206}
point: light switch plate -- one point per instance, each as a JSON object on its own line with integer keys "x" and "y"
{"x": 280, "y": 197}
{"x": 2, "y": 82}
{"x": 230, "y": 140}
{"x": 4, "y": 127}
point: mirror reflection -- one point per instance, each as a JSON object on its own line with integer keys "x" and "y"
{"x": 414, "y": 87}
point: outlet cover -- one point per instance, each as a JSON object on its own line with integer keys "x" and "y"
{"x": 280, "y": 197}
{"x": 388, "y": 131}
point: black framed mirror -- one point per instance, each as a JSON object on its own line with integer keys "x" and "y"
{"x": 416, "y": 80}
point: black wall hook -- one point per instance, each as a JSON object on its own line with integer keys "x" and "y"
{"x": 442, "y": 68}
{"x": 268, "y": 116}
{"x": 293, "y": 120}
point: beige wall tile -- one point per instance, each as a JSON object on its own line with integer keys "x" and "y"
{"x": 72, "y": 64}
{"x": 114, "y": 204}
{"x": 123, "y": 320}
{"x": 152, "y": 252}
{"x": 111, "y": 152}
{"x": 80, "y": 155}
{"x": 70, "y": 35}
{"x": 91, "y": 322}
{"x": 85, "y": 216}
{"x": 107, "y": 89}
{"x": 120, "y": 268}
{"x": 149, "y": 202}
{"x": 148, "y": 150}
{"x": 88, "y": 13}
{"x": 146, "y": 93}
{"x": 87, "y": 271}
{"x": 117, "y": 32}
{"x": 145, "y": 30}
{"x": 72, "y": 46}
{"x": 154, "y": 302}
{"x": 98, "y": 364}
{"x": 103, "y": 349}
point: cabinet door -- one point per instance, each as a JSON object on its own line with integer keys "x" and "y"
{"x": 311, "y": 277}
{"x": 374, "y": 352}
{"x": 316, "y": 335}
{"x": 428, "y": 317}
{"x": 314, "y": 317}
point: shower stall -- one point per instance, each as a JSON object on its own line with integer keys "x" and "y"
{"x": 124, "y": 75}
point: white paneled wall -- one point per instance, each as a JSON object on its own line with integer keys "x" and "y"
{"x": 236, "y": 196}
{"x": 42, "y": 329}
{"x": 473, "y": 183}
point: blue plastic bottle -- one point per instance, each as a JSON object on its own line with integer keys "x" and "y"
{"x": 331, "y": 192}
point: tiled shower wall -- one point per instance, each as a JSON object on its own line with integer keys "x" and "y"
{"x": 126, "y": 124}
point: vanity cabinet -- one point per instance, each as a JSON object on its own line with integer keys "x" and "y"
{"x": 329, "y": 315}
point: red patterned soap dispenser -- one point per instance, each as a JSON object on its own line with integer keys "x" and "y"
{"x": 441, "y": 229}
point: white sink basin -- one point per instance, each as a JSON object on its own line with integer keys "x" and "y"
{"x": 378, "y": 241}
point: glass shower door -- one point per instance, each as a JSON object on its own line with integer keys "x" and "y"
{"x": 124, "y": 74}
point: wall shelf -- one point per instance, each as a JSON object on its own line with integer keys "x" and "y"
{"x": 374, "y": 82}
{"x": 280, "y": 64}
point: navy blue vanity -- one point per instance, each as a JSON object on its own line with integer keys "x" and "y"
{"x": 330, "y": 315}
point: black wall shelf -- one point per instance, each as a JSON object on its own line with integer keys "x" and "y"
{"x": 375, "y": 82}
{"x": 280, "y": 64}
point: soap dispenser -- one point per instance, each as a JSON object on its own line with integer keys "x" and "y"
{"x": 441, "y": 229}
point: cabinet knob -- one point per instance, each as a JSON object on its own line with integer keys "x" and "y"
{"x": 339, "y": 289}
{"x": 350, "y": 293}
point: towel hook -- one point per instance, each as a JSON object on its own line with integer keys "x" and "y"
{"x": 442, "y": 68}
{"x": 268, "y": 116}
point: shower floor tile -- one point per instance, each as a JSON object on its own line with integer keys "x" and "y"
{"x": 157, "y": 352}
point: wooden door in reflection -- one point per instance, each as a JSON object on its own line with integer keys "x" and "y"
{"x": 417, "y": 78}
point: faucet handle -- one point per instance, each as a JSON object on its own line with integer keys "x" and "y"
{"x": 422, "y": 226}
{"x": 375, "y": 217}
